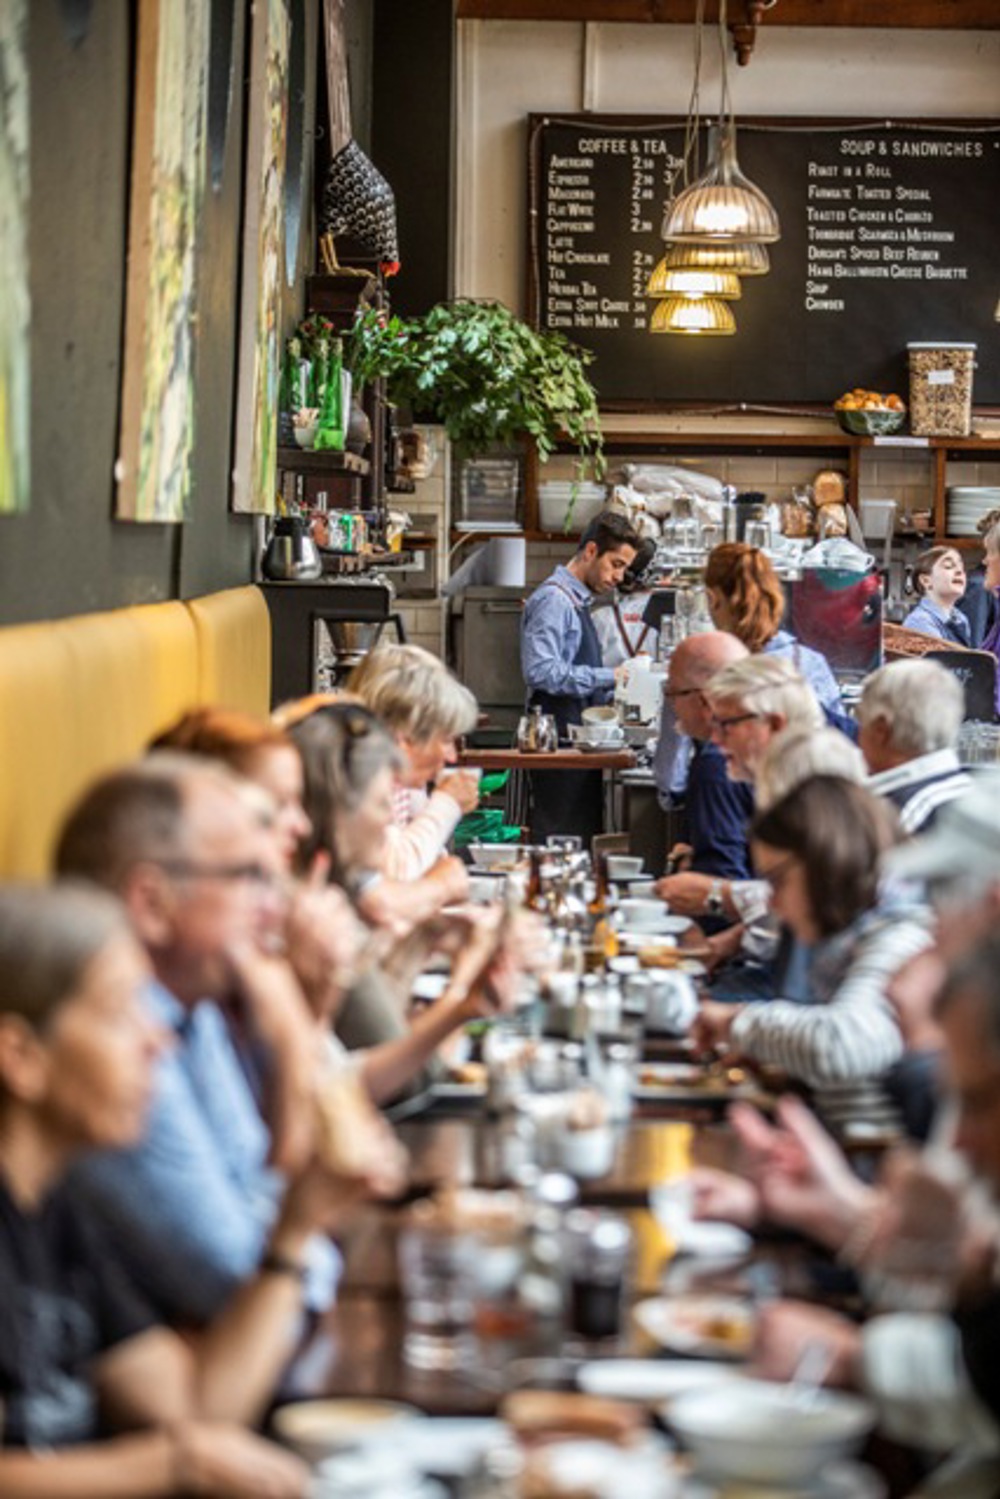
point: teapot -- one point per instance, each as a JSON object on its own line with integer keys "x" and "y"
{"x": 537, "y": 733}
{"x": 291, "y": 555}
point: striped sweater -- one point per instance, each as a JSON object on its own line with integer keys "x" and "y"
{"x": 843, "y": 1044}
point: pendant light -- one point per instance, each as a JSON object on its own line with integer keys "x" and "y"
{"x": 723, "y": 204}
{"x": 688, "y": 281}
{"x": 744, "y": 259}
{"x": 694, "y": 316}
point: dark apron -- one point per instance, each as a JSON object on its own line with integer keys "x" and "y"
{"x": 569, "y": 801}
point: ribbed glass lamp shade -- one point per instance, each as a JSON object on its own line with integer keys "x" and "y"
{"x": 692, "y": 283}
{"x": 692, "y": 315}
{"x": 722, "y": 205}
{"x": 745, "y": 260}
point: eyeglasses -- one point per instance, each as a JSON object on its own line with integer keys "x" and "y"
{"x": 250, "y": 873}
{"x": 776, "y": 875}
{"x": 676, "y": 692}
{"x": 723, "y": 725}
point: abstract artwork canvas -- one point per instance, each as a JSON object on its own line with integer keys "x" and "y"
{"x": 255, "y": 469}
{"x": 168, "y": 185}
{"x": 15, "y": 301}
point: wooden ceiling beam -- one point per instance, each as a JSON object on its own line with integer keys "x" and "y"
{"x": 927, "y": 15}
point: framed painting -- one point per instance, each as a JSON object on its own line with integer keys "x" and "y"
{"x": 156, "y": 440}
{"x": 15, "y": 303}
{"x": 255, "y": 468}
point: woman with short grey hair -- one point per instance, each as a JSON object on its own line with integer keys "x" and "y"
{"x": 426, "y": 709}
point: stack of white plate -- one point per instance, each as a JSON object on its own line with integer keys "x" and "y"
{"x": 967, "y": 504}
{"x": 556, "y": 495}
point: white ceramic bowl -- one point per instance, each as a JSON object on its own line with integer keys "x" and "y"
{"x": 623, "y": 867}
{"x": 495, "y": 855}
{"x": 316, "y": 1429}
{"x": 595, "y": 733}
{"x": 761, "y": 1433}
{"x": 641, "y": 915}
{"x": 587, "y": 1153}
{"x": 484, "y": 888}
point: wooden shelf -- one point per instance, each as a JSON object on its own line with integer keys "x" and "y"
{"x": 831, "y": 441}
{"x": 308, "y": 461}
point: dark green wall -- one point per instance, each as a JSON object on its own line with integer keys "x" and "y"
{"x": 413, "y": 47}
{"x": 67, "y": 555}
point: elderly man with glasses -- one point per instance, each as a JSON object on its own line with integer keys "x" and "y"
{"x": 717, "y": 809}
{"x": 200, "y": 1205}
{"x": 744, "y": 705}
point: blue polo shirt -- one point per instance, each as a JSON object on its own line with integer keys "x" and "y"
{"x": 718, "y": 813}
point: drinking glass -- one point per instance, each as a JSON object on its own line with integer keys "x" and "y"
{"x": 758, "y": 534}
{"x": 437, "y": 1267}
{"x": 687, "y": 535}
{"x": 599, "y": 1246}
{"x": 711, "y": 535}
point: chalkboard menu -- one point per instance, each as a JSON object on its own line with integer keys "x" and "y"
{"x": 890, "y": 233}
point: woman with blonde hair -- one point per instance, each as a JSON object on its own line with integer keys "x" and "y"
{"x": 426, "y": 709}
{"x": 745, "y": 598}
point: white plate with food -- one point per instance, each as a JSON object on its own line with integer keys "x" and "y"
{"x": 709, "y": 1240}
{"x": 650, "y": 1380}
{"x": 464, "y": 1080}
{"x": 447, "y": 1446}
{"x": 700, "y": 1326}
{"x": 690, "y": 1082}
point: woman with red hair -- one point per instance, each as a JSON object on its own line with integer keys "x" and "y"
{"x": 745, "y": 598}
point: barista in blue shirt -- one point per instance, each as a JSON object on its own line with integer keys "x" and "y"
{"x": 563, "y": 671}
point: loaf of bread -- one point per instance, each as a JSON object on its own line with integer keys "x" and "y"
{"x": 829, "y": 488}
{"x": 542, "y": 1414}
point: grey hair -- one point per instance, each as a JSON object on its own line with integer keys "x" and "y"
{"x": 921, "y": 701}
{"x": 48, "y": 938}
{"x": 768, "y": 684}
{"x": 414, "y": 693}
{"x": 795, "y": 755}
{"x": 135, "y": 814}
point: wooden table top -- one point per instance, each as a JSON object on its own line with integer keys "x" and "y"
{"x": 561, "y": 759}
{"x": 357, "y": 1348}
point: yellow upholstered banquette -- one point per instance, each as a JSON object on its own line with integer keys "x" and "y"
{"x": 79, "y": 696}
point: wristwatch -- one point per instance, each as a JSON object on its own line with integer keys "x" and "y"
{"x": 715, "y": 905}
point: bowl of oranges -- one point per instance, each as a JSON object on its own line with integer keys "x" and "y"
{"x": 868, "y": 413}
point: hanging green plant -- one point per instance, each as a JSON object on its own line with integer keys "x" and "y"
{"x": 486, "y": 376}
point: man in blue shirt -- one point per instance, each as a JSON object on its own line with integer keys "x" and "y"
{"x": 563, "y": 670}
{"x": 195, "y": 1206}
{"x": 718, "y": 809}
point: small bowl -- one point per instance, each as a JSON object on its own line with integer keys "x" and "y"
{"x": 760, "y": 1433}
{"x": 305, "y": 437}
{"x": 587, "y": 1153}
{"x": 603, "y": 713}
{"x": 595, "y": 733}
{"x": 642, "y": 915}
{"x": 624, "y": 867}
{"x": 316, "y": 1429}
{"x": 878, "y": 422}
{"x": 492, "y": 856}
